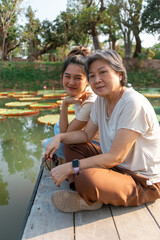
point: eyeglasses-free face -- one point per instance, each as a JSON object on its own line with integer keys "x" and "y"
{"x": 103, "y": 79}
{"x": 74, "y": 80}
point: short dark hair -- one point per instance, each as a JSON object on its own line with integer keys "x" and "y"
{"x": 112, "y": 58}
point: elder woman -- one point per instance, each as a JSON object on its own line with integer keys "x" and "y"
{"x": 125, "y": 170}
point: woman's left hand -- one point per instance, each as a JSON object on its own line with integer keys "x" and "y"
{"x": 60, "y": 173}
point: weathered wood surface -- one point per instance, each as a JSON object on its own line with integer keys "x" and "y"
{"x": 45, "y": 222}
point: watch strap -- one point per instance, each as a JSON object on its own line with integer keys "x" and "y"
{"x": 76, "y": 170}
{"x": 75, "y": 165}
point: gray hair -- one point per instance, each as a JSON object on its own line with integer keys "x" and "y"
{"x": 112, "y": 58}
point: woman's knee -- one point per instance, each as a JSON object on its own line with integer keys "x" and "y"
{"x": 85, "y": 184}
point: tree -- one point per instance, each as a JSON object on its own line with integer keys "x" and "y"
{"x": 151, "y": 16}
{"x": 137, "y": 26}
{"x": 129, "y": 20}
{"x": 8, "y": 10}
{"x": 122, "y": 13}
{"x": 89, "y": 16}
{"x": 110, "y": 27}
{"x": 31, "y": 34}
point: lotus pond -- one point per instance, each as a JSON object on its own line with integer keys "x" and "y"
{"x": 20, "y": 159}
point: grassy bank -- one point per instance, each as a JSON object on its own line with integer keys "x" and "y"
{"x": 34, "y": 76}
{"x": 29, "y": 76}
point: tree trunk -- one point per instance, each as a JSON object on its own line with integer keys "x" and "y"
{"x": 138, "y": 48}
{"x": 114, "y": 45}
{"x": 96, "y": 42}
{"x": 127, "y": 44}
{"x": 3, "y": 45}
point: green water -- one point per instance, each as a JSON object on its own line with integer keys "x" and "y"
{"x": 20, "y": 158}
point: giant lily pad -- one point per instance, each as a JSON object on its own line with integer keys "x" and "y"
{"x": 4, "y": 93}
{"x": 3, "y": 96}
{"x": 54, "y": 95}
{"x": 44, "y": 105}
{"x": 11, "y": 94}
{"x": 30, "y": 99}
{"x": 3, "y": 110}
{"x": 60, "y": 91}
{"x": 18, "y": 104}
{"x": 22, "y": 95}
{"x": 59, "y": 102}
{"x": 52, "y": 119}
{"x": 70, "y": 109}
{"x": 152, "y": 95}
{"x": 18, "y": 112}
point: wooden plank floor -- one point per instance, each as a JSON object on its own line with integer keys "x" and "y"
{"x": 45, "y": 222}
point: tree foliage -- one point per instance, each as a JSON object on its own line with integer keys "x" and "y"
{"x": 83, "y": 22}
{"x": 151, "y": 16}
{"x": 8, "y": 16}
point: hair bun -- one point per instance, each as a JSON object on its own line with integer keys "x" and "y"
{"x": 79, "y": 50}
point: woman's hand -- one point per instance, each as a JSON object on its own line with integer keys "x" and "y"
{"x": 76, "y": 99}
{"x": 53, "y": 146}
{"x": 60, "y": 173}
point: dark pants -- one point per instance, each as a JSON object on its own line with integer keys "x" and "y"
{"x": 116, "y": 186}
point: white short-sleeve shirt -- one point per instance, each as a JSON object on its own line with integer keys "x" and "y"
{"x": 133, "y": 111}
{"x": 82, "y": 111}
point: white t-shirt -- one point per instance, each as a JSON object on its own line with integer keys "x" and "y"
{"x": 82, "y": 111}
{"x": 133, "y": 111}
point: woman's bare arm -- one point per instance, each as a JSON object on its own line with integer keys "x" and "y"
{"x": 122, "y": 144}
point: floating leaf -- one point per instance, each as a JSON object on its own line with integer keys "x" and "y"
{"x": 70, "y": 109}
{"x": 54, "y": 95}
{"x": 18, "y": 104}
{"x": 151, "y": 95}
{"x": 60, "y": 91}
{"x": 18, "y": 112}
{"x": 31, "y": 99}
{"x": 3, "y": 110}
{"x": 44, "y": 105}
{"x": 52, "y": 119}
{"x": 59, "y": 102}
{"x": 40, "y": 92}
{"x": 22, "y": 96}
{"x": 3, "y": 93}
{"x": 3, "y": 96}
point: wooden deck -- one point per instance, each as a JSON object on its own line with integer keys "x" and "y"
{"x": 45, "y": 222}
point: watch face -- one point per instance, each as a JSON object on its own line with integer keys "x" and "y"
{"x": 75, "y": 163}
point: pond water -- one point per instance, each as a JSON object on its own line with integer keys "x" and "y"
{"x": 20, "y": 159}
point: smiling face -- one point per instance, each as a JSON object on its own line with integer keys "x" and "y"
{"x": 74, "y": 80}
{"x": 104, "y": 80}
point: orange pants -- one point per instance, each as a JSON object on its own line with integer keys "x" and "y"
{"x": 116, "y": 186}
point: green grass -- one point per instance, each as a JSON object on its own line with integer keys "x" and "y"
{"x": 143, "y": 78}
{"x": 30, "y": 76}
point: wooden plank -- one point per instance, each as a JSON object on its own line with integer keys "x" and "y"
{"x": 45, "y": 221}
{"x": 154, "y": 208}
{"x": 135, "y": 223}
{"x": 95, "y": 225}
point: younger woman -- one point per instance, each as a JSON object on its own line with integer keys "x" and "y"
{"x": 78, "y": 93}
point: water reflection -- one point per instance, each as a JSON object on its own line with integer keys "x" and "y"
{"x": 4, "y": 195}
{"x": 20, "y": 159}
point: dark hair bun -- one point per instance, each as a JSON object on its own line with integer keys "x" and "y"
{"x": 79, "y": 50}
